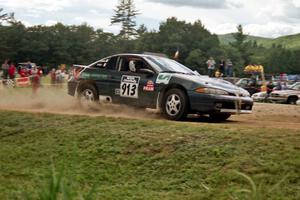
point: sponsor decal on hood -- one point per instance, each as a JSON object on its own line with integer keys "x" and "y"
{"x": 163, "y": 78}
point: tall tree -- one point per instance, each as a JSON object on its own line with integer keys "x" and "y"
{"x": 242, "y": 45}
{"x": 125, "y": 14}
{"x": 6, "y": 16}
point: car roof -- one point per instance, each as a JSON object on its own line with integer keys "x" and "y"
{"x": 126, "y": 54}
{"x": 140, "y": 54}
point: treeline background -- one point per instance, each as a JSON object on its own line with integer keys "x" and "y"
{"x": 82, "y": 44}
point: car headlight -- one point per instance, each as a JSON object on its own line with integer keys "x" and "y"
{"x": 211, "y": 91}
{"x": 247, "y": 94}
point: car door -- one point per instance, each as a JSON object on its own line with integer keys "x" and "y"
{"x": 133, "y": 88}
{"x": 102, "y": 71}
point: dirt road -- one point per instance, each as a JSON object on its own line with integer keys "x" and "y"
{"x": 57, "y": 101}
{"x": 271, "y": 115}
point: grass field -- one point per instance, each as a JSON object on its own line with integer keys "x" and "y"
{"x": 146, "y": 158}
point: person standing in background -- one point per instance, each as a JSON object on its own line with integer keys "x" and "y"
{"x": 29, "y": 65}
{"x": 228, "y": 68}
{"x": 5, "y": 67}
{"x": 222, "y": 67}
{"x": 11, "y": 70}
{"x": 59, "y": 77}
{"x": 210, "y": 66}
{"x": 35, "y": 79}
{"x": 53, "y": 76}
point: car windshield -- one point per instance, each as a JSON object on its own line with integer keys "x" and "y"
{"x": 168, "y": 65}
{"x": 295, "y": 86}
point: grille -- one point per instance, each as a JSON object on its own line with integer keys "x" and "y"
{"x": 231, "y": 105}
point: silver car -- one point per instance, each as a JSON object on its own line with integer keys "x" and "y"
{"x": 290, "y": 96}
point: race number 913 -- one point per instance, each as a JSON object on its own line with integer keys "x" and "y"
{"x": 129, "y": 86}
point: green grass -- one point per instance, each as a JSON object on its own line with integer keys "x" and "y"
{"x": 145, "y": 159}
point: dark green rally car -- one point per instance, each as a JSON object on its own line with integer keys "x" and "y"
{"x": 150, "y": 81}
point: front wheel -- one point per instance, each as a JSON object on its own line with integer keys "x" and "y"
{"x": 175, "y": 104}
{"x": 219, "y": 117}
{"x": 87, "y": 95}
{"x": 292, "y": 100}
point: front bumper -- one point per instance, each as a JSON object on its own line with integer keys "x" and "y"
{"x": 210, "y": 103}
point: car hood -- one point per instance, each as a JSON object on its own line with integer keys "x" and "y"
{"x": 205, "y": 81}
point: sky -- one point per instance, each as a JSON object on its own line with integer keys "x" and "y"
{"x": 265, "y": 18}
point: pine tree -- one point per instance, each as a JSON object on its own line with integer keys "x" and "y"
{"x": 242, "y": 45}
{"x": 9, "y": 17}
{"x": 239, "y": 37}
{"x": 125, "y": 14}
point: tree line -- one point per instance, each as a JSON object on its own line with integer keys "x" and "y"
{"x": 83, "y": 44}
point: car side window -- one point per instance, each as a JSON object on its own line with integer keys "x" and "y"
{"x": 123, "y": 64}
{"x": 132, "y": 64}
{"x": 297, "y": 87}
{"x": 112, "y": 63}
{"x": 243, "y": 83}
{"x": 108, "y": 63}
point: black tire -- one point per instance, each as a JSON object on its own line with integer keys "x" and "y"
{"x": 219, "y": 117}
{"x": 292, "y": 100}
{"x": 87, "y": 95}
{"x": 175, "y": 104}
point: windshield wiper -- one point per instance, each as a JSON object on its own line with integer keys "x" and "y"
{"x": 168, "y": 71}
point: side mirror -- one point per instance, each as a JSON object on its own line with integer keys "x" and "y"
{"x": 147, "y": 71}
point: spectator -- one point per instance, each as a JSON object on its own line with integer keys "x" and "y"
{"x": 29, "y": 65}
{"x": 11, "y": 70}
{"x": 218, "y": 74}
{"x": 45, "y": 70}
{"x": 5, "y": 67}
{"x": 270, "y": 87}
{"x": 222, "y": 67}
{"x": 278, "y": 86}
{"x": 59, "y": 75}
{"x": 210, "y": 66}
{"x": 35, "y": 79}
{"x": 284, "y": 86}
{"x": 228, "y": 68}
{"x": 53, "y": 76}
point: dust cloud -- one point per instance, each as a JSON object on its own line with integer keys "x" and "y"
{"x": 56, "y": 100}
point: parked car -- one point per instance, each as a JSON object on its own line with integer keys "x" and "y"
{"x": 150, "y": 81}
{"x": 290, "y": 95}
{"x": 259, "y": 97}
{"x": 252, "y": 85}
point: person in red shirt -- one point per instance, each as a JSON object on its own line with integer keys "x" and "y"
{"x": 11, "y": 70}
{"x": 35, "y": 79}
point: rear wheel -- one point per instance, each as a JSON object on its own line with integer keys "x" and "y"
{"x": 219, "y": 117}
{"x": 87, "y": 95}
{"x": 175, "y": 104}
{"x": 292, "y": 100}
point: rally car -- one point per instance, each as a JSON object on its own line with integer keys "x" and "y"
{"x": 150, "y": 81}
